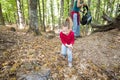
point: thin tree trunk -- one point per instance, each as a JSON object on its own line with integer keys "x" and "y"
{"x": 112, "y": 7}
{"x": 15, "y": 19}
{"x": 6, "y": 17}
{"x": 43, "y": 15}
{"x": 68, "y": 7}
{"x": 58, "y": 7}
{"x": 21, "y": 23}
{"x": 33, "y": 18}
{"x": 28, "y": 20}
{"x": 51, "y": 5}
{"x": 98, "y": 10}
{"x": 9, "y": 18}
{"x": 71, "y": 7}
{"x": 1, "y": 16}
{"x": 89, "y": 3}
{"x": 23, "y": 12}
{"x": 61, "y": 12}
{"x": 108, "y": 7}
{"x": 117, "y": 9}
{"x": 88, "y": 28}
{"x": 104, "y": 8}
{"x": 40, "y": 16}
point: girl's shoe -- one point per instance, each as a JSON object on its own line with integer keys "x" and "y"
{"x": 70, "y": 64}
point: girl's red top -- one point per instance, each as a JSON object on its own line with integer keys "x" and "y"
{"x": 67, "y": 38}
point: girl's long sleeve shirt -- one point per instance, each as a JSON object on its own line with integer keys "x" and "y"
{"x": 67, "y": 38}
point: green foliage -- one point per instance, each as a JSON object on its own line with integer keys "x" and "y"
{"x": 10, "y": 10}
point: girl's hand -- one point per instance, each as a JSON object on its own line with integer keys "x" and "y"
{"x": 69, "y": 46}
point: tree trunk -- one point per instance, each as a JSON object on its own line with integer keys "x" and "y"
{"x": 33, "y": 18}
{"x": 43, "y": 15}
{"x": 1, "y": 16}
{"x": 61, "y": 12}
{"x": 21, "y": 23}
{"x": 89, "y": 3}
{"x": 68, "y": 8}
{"x": 6, "y": 17}
{"x": 23, "y": 12}
{"x": 27, "y": 20}
{"x": 112, "y": 7}
{"x": 40, "y": 16}
{"x": 117, "y": 9}
{"x": 52, "y": 16}
{"x": 71, "y": 7}
{"x": 98, "y": 10}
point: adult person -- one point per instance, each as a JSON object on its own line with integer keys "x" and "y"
{"x": 75, "y": 15}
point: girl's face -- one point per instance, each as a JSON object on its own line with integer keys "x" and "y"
{"x": 65, "y": 28}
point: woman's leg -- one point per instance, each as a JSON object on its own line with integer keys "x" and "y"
{"x": 76, "y": 27}
{"x": 78, "y": 30}
{"x": 63, "y": 50}
{"x": 75, "y": 24}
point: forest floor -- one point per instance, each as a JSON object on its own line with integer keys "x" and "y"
{"x": 95, "y": 57}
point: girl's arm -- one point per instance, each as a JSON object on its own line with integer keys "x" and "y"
{"x": 62, "y": 39}
{"x": 72, "y": 38}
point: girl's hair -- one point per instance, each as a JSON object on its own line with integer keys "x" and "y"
{"x": 68, "y": 23}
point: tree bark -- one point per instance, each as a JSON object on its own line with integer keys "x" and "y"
{"x": 23, "y": 12}
{"x": 107, "y": 18}
{"x": 97, "y": 11}
{"x": 40, "y": 16}
{"x": 44, "y": 28}
{"x": 1, "y": 16}
{"x": 51, "y": 5}
{"x": 61, "y": 12}
{"x": 117, "y": 9}
{"x": 89, "y": 3}
{"x": 21, "y": 23}
{"x": 68, "y": 7}
{"x": 71, "y": 7}
{"x": 33, "y": 18}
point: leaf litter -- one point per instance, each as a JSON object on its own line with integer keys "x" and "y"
{"x": 93, "y": 58}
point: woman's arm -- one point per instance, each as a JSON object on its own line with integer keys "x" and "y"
{"x": 80, "y": 4}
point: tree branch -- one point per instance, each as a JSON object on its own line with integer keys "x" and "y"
{"x": 107, "y": 18}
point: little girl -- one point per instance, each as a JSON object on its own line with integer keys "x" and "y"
{"x": 67, "y": 39}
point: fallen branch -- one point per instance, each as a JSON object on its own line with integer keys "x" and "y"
{"x": 5, "y": 41}
{"x": 107, "y": 18}
{"x": 112, "y": 24}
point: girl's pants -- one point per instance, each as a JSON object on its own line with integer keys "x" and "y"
{"x": 66, "y": 51}
{"x": 76, "y": 27}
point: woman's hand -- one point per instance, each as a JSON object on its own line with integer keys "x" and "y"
{"x": 80, "y": 4}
